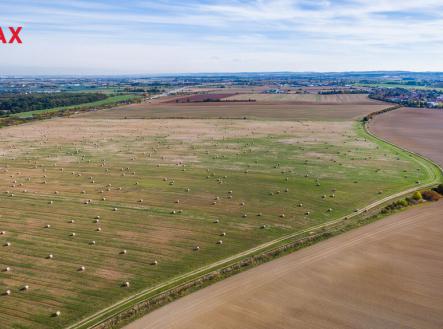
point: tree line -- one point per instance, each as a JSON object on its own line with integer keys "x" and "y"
{"x": 16, "y": 103}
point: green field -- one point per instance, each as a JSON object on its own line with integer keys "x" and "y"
{"x": 399, "y": 85}
{"x": 108, "y": 101}
{"x": 161, "y": 188}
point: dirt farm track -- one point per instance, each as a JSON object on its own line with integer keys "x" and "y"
{"x": 387, "y": 274}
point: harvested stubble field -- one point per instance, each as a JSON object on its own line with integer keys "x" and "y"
{"x": 89, "y": 203}
{"x": 338, "y": 108}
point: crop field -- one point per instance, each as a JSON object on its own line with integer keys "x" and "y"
{"x": 95, "y": 209}
{"x": 338, "y": 109}
{"x": 108, "y": 101}
{"x": 359, "y": 99}
{"x": 398, "y": 85}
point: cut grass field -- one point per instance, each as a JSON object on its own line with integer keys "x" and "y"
{"x": 108, "y": 101}
{"x": 161, "y": 188}
{"x": 399, "y": 85}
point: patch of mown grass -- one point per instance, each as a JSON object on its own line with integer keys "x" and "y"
{"x": 257, "y": 169}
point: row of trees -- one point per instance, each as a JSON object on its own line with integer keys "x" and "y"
{"x": 16, "y": 103}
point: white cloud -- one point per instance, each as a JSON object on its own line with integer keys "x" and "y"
{"x": 172, "y": 36}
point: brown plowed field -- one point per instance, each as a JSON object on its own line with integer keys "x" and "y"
{"x": 200, "y": 98}
{"x": 360, "y": 99}
{"x": 419, "y": 130}
{"x": 388, "y": 274}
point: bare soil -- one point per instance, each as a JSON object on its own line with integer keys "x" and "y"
{"x": 200, "y": 98}
{"x": 361, "y": 99}
{"x": 419, "y": 130}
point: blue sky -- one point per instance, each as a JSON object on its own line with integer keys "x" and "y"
{"x": 136, "y": 36}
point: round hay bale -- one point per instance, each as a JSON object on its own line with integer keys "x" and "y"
{"x": 282, "y": 216}
{"x": 57, "y": 314}
{"x": 98, "y": 229}
{"x": 72, "y": 234}
{"x": 50, "y": 256}
{"x": 155, "y": 262}
{"x": 126, "y": 284}
{"x": 115, "y": 209}
{"x": 197, "y": 248}
{"x": 2, "y": 232}
{"x": 216, "y": 221}
{"x": 92, "y": 242}
{"x": 7, "y": 269}
{"x": 25, "y": 288}
{"x": 245, "y": 215}
{"x": 123, "y": 252}
{"x": 219, "y": 242}
{"x": 82, "y": 269}
{"x": 7, "y": 244}
{"x": 8, "y": 292}
{"x": 47, "y": 226}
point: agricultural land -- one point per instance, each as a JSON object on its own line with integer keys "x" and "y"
{"x": 99, "y": 206}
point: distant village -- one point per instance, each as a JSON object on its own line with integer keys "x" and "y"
{"x": 409, "y": 97}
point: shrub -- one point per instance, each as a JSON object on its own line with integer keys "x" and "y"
{"x": 403, "y": 203}
{"x": 417, "y": 196}
{"x": 439, "y": 189}
{"x": 431, "y": 195}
